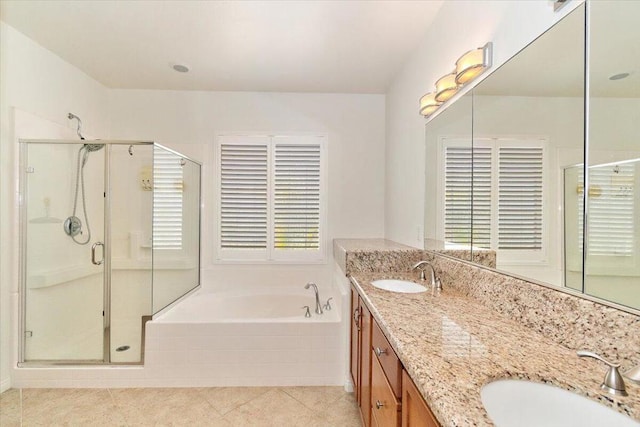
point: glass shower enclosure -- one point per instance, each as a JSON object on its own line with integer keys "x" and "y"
{"x": 110, "y": 235}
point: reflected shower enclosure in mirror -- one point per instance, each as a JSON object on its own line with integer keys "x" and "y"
{"x": 612, "y": 259}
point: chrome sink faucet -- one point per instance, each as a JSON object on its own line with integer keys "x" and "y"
{"x": 435, "y": 281}
{"x": 613, "y": 382}
{"x": 315, "y": 289}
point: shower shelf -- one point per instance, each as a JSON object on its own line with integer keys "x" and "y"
{"x": 45, "y": 279}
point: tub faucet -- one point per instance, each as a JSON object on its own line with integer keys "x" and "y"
{"x": 315, "y": 289}
{"x": 435, "y": 281}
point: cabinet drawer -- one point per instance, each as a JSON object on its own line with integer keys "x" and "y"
{"x": 388, "y": 360}
{"x": 385, "y": 408}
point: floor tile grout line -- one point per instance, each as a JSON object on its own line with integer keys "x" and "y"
{"x": 270, "y": 389}
{"x": 115, "y": 404}
{"x": 315, "y": 411}
{"x": 200, "y": 391}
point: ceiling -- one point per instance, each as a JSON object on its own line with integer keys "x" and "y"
{"x": 283, "y": 46}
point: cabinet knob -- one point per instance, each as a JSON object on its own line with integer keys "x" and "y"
{"x": 356, "y": 317}
{"x": 379, "y": 352}
{"x": 379, "y": 404}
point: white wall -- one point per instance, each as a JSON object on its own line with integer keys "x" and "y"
{"x": 189, "y": 122}
{"x": 459, "y": 26}
{"x": 36, "y": 81}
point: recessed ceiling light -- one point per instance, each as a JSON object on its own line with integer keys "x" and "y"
{"x": 181, "y": 68}
{"x": 619, "y": 76}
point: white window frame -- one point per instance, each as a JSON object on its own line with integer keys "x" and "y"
{"x": 270, "y": 255}
{"x": 506, "y": 257}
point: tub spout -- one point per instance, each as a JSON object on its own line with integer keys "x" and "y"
{"x": 315, "y": 290}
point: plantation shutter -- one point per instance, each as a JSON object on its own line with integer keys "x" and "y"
{"x": 243, "y": 196}
{"x": 482, "y": 200}
{"x": 611, "y": 210}
{"x": 520, "y": 198}
{"x": 271, "y": 198}
{"x": 507, "y": 213}
{"x": 296, "y": 200}
{"x": 167, "y": 199}
{"x": 457, "y": 194}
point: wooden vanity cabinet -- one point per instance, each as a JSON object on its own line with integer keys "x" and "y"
{"x": 386, "y": 395}
{"x": 415, "y": 411}
{"x": 361, "y": 322}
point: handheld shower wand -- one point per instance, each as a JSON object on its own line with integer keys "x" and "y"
{"x": 72, "y": 116}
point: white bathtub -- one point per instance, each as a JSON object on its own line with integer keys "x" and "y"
{"x": 242, "y": 307}
{"x": 247, "y": 338}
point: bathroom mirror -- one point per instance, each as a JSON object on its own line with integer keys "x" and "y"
{"x": 527, "y": 129}
{"x": 612, "y": 262}
{"x": 448, "y": 185}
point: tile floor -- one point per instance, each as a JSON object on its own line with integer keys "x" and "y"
{"x": 224, "y": 406}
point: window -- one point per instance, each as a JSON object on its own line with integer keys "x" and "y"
{"x": 271, "y": 198}
{"x": 508, "y": 192}
{"x": 167, "y": 200}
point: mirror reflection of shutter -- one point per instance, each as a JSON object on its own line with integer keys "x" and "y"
{"x": 243, "y": 196}
{"x": 167, "y": 200}
{"x": 457, "y": 197}
{"x": 520, "y": 202}
{"x": 296, "y": 199}
{"x": 611, "y": 210}
{"x": 482, "y": 202}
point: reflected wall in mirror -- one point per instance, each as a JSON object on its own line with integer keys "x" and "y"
{"x": 612, "y": 262}
{"x": 527, "y": 128}
{"x": 448, "y": 189}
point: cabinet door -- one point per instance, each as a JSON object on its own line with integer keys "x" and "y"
{"x": 384, "y": 404}
{"x": 355, "y": 342}
{"x": 415, "y": 412}
{"x": 365, "y": 363}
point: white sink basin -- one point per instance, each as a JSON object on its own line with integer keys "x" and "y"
{"x": 402, "y": 286}
{"x": 528, "y": 404}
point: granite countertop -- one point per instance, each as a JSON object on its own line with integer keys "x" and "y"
{"x": 451, "y": 345}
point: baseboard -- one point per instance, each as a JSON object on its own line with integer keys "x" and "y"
{"x": 348, "y": 385}
{"x": 5, "y": 385}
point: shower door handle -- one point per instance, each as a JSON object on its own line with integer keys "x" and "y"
{"x": 93, "y": 253}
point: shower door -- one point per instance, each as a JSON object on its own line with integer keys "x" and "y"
{"x": 63, "y": 202}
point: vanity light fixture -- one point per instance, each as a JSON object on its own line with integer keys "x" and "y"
{"x": 428, "y": 104}
{"x": 446, "y": 87}
{"x": 468, "y": 67}
{"x": 473, "y": 63}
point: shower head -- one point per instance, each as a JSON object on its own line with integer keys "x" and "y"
{"x": 93, "y": 147}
